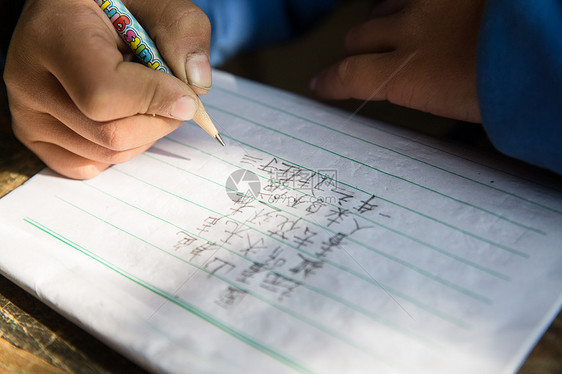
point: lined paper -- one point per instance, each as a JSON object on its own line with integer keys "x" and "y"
{"x": 315, "y": 242}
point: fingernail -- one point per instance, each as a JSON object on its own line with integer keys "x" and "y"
{"x": 184, "y": 108}
{"x": 312, "y": 84}
{"x": 199, "y": 71}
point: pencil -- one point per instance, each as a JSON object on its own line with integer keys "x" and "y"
{"x": 145, "y": 49}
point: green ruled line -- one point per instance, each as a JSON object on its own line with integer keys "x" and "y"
{"x": 373, "y": 316}
{"x": 453, "y": 320}
{"x": 362, "y": 276}
{"x": 365, "y": 122}
{"x": 414, "y": 239}
{"x": 425, "y": 273}
{"x": 177, "y": 301}
{"x": 237, "y": 94}
{"x": 350, "y": 305}
{"x": 499, "y": 216}
{"x": 309, "y": 321}
{"x": 468, "y": 233}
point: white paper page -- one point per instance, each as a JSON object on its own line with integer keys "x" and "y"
{"x": 352, "y": 247}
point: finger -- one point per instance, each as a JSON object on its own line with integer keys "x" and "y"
{"x": 65, "y": 162}
{"x": 183, "y": 33}
{"x": 361, "y": 77}
{"x": 103, "y": 85}
{"x": 122, "y": 134}
{"x": 54, "y": 132}
{"x": 117, "y": 135}
{"x": 374, "y": 36}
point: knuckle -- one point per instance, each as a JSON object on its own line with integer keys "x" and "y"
{"x": 19, "y": 132}
{"x": 191, "y": 30}
{"x": 155, "y": 100}
{"x": 192, "y": 19}
{"x": 405, "y": 95}
{"x": 197, "y": 16}
{"x": 96, "y": 102}
{"x": 112, "y": 137}
{"x": 205, "y": 23}
{"x": 16, "y": 78}
{"x": 194, "y": 15}
{"x": 343, "y": 70}
{"x": 9, "y": 78}
{"x": 350, "y": 39}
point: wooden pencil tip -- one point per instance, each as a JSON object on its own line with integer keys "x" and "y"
{"x": 219, "y": 139}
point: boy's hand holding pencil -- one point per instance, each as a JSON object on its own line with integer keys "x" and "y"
{"x": 78, "y": 99}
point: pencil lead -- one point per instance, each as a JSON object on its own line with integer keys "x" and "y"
{"x": 219, "y": 139}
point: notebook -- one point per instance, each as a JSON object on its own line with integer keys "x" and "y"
{"x": 316, "y": 241}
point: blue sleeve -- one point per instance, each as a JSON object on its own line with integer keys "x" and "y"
{"x": 519, "y": 74}
{"x": 241, "y": 25}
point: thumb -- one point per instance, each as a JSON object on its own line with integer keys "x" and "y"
{"x": 104, "y": 86}
{"x": 182, "y": 33}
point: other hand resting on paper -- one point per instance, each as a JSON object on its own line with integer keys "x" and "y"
{"x": 77, "y": 100}
{"x": 418, "y": 54}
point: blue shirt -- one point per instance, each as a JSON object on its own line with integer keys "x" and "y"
{"x": 241, "y": 25}
{"x": 519, "y": 68}
{"x": 520, "y": 79}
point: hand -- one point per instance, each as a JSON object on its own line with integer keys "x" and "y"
{"x": 77, "y": 100}
{"x": 415, "y": 53}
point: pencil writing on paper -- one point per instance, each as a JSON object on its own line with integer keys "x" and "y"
{"x": 130, "y": 30}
